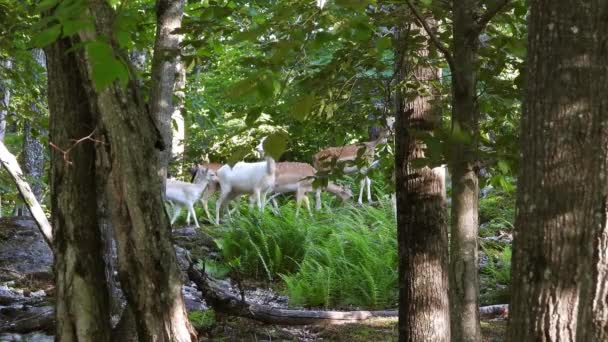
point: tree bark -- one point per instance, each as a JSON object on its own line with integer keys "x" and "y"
{"x": 166, "y": 75}
{"x": 464, "y": 278}
{"x": 559, "y": 248}
{"x": 147, "y": 262}
{"x": 81, "y": 291}
{"x": 421, "y": 216}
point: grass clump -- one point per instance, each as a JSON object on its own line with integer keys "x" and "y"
{"x": 202, "y": 320}
{"x": 342, "y": 257}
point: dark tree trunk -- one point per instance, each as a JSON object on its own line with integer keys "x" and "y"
{"x": 82, "y": 310}
{"x": 421, "y": 217}
{"x": 559, "y": 251}
{"x": 33, "y": 149}
{"x": 165, "y": 74}
{"x": 464, "y": 279}
{"x": 147, "y": 262}
{"x": 127, "y": 167}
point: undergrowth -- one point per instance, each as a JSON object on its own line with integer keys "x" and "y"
{"x": 341, "y": 257}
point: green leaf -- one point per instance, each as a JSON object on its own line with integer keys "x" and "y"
{"x": 71, "y": 27}
{"x": 46, "y": 5}
{"x": 275, "y": 144}
{"x": 503, "y": 166}
{"x": 303, "y": 107}
{"x": 47, "y": 36}
{"x": 105, "y": 67}
{"x": 384, "y": 43}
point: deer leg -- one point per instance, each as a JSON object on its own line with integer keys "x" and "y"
{"x": 191, "y": 210}
{"x": 361, "y": 188}
{"x": 176, "y": 212}
{"x": 318, "y": 199}
{"x": 205, "y": 202}
{"x": 220, "y": 202}
{"x": 368, "y": 182}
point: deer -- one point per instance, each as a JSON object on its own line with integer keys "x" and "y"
{"x": 298, "y": 177}
{"x": 183, "y": 194}
{"x": 348, "y": 154}
{"x": 213, "y": 186}
{"x": 256, "y": 179}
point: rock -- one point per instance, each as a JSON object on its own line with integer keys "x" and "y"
{"x": 33, "y": 337}
{"x": 38, "y": 294}
{"x": 23, "y": 251}
{"x": 193, "y": 298}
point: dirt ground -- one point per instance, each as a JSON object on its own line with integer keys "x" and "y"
{"x": 379, "y": 329}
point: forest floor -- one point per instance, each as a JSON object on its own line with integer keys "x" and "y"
{"x": 377, "y": 329}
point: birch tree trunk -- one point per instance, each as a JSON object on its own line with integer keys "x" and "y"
{"x": 559, "y": 249}
{"x": 166, "y": 75}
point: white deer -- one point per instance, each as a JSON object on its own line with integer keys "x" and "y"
{"x": 213, "y": 186}
{"x": 255, "y": 179}
{"x": 183, "y": 194}
{"x": 348, "y": 154}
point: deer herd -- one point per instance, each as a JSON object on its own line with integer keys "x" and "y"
{"x": 260, "y": 179}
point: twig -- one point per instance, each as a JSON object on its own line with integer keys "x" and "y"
{"x": 440, "y": 46}
{"x": 66, "y": 152}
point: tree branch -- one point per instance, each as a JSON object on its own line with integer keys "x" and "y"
{"x": 490, "y": 13}
{"x": 440, "y": 46}
{"x": 9, "y": 162}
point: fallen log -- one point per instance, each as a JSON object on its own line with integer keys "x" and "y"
{"x": 223, "y": 301}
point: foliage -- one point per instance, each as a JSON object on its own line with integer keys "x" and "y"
{"x": 496, "y": 212}
{"x": 202, "y": 320}
{"x": 341, "y": 257}
{"x": 496, "y": 215}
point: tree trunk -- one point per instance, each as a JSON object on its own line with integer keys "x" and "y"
{"x": 166, "y": 75}
{"x": 177, "y": 118}
{"x": 81, "y": 292}
{"x": 146, "y": 258}
{"x": 33, "y": 149}
{"x": 421, "y": 217}
{"x": 5, "y": 99}
{"x": 464, "y": 278}
{"x": 559, "y": 250}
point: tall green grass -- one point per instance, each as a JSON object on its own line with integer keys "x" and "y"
{"x": 341, "y": 257}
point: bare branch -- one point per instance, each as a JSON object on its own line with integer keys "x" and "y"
{"x": 490, "y": 13}
{"x": 440, "y": 46}
{"x": 65, "y": 153}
